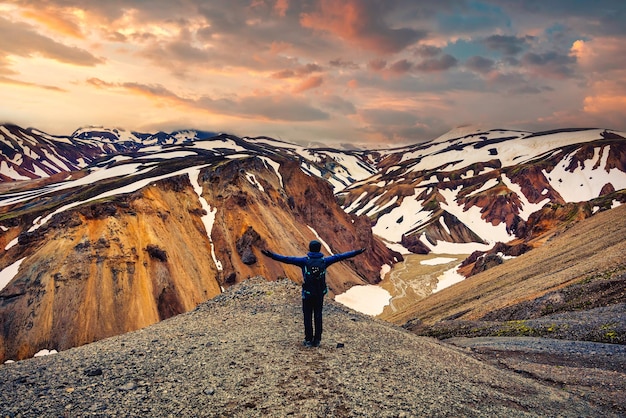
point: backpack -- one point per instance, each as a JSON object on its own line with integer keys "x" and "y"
{"x": 314, "y": 277}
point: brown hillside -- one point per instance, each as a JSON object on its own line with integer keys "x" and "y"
{"x": 589, "y": 247}
{"x": 119, "y": 264}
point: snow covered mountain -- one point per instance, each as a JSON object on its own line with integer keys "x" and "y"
{"x": 472, "y": 188}
{"x": 27, "y": 154}
{"x": 145, "y": 226}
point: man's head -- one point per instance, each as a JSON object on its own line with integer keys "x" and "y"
{"x": 315, "y": 246}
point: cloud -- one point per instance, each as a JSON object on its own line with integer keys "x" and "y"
{"x": 281, "y": 7}
{"x": 388, "y": 116}
{"x": 340, "y": 63}
{"x": 472, "y": 17}
{"x": 262, "y": 106}
{"x": 328, "y": 66}
{"x": 427, "y": 51}
{"x": 549, "y": 64}
{"x": 479, "y": 64}
{"x": 308, "y": 84}
{"x": 508, "y": 45}
{"x": 389, "y": 125}
{"x": 58, "y": 20}
{"x": 594, "y": 18}
{"x": 22, "y": 40}
{"x": 377, "y": 64}
{"x": 360, "y": 22}
{"x": 439, "y": 64}
{"x": 604, "y": 63}
{"x": 400, "y": 67}
{"x": 339, "y": 105}
{"x": 8, "y": 80}
{"x": 300, "y": 71}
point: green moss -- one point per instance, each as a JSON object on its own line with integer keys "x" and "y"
{"x": 516, "y": 328}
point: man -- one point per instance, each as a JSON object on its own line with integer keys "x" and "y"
{"x": 314, "y": 288}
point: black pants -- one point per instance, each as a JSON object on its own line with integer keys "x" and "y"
{"x": 312, "y": 308}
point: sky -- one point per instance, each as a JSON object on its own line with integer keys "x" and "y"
{"x": 352, "y": 73}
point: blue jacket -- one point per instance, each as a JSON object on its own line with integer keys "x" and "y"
{"x": 302, "y": 261}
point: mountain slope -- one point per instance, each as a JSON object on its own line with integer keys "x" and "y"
{"x": 589, "y": 248}
{"x": 461, "y": 193}
{"x": 137, "y": 238}
{"x": 240, "y": 355}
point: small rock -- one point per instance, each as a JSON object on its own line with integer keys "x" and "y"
{"x": 209, "y": 391}
{"x": 340, "y": 345}
{"x": 128, "y": 386}
{"x": 96, "y": 371}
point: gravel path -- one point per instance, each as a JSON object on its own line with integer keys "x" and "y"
{"x": 241, "y": 355}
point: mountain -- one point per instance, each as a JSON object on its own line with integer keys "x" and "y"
{"x": 116, "y": 230}
{"x": 240, "y": 355}
{"x": 151, "y": 231}
{"x": 473, "y": 188}
{"x": 30, "y": 154}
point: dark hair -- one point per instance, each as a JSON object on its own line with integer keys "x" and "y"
{"x": 315, "y": 246}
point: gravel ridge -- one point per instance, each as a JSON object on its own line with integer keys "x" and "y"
{"x": 240, "y": 355}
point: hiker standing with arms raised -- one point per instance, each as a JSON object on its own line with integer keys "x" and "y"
{"x": 314, "y": 288}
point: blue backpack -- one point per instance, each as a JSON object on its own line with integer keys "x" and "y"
{"x": 314, "y": 277}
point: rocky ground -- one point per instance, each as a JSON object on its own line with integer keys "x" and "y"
{"x": 241, "y": 355}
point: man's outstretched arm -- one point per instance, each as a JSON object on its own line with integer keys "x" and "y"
{"x": 338, "y": 257}
{"x": 298, "y": 261}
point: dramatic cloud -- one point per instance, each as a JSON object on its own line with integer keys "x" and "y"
{"x": 22, "y": 40}
{"x": 361, "y": 23}
{"x": 384, "y": 71}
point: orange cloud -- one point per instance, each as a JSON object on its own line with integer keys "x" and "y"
{"x": 308, "y": 84}
{"x": 280, "y": 7}
{"x": 63, "y": 21}
{"x": 604, "y": 62}
{"x": 360, "y": 23}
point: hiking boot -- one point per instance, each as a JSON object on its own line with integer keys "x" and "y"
{"x": 307, "y": 343}
{"x": 316, "y": 343}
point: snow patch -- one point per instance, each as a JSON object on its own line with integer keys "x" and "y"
{"x": 448, "y": 278}
{"x": 385, "y": 268}
{"x": 321, "y": 241}
{"x": 45, "y": 352}
{"x": 8, "y": 273}
{"x": 252, "y": 179}
{"x": 584, "y": 184}
{"x": 368, "y": 299}
{"x": 209, "y": 219}
{"x": 436, "y": 261}
{"x": 276, "y": 167}
{"x": 9, "y": 171}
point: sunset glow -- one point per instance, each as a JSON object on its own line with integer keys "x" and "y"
{"x": 359, "y": 72}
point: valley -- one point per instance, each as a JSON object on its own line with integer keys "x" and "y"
{"x": 415, "y": 278}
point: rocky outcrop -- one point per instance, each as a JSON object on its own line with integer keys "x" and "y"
{"x": 257, "y": 208}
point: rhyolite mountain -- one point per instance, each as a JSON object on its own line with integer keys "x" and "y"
{"x": 149, "y": 231}
{"x": 107, "y": 231}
